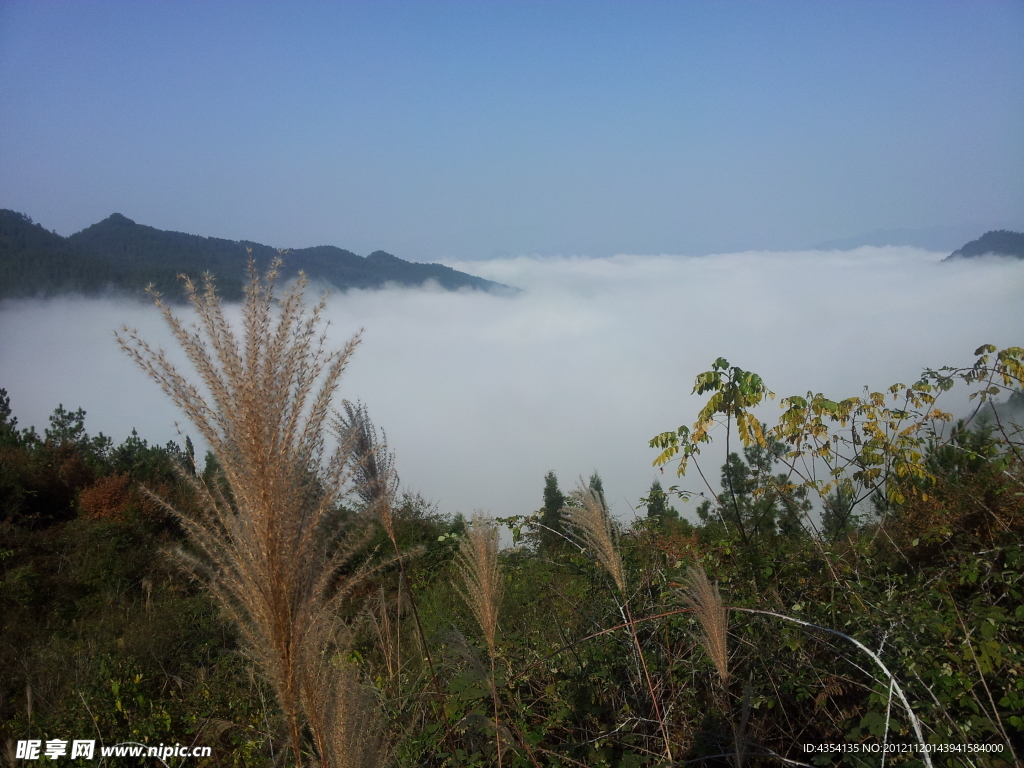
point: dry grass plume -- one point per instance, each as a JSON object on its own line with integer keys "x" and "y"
{"x": 592, "y": 525}
{"x": 344, "y": 715}
{"x": 482, "y": 589}
{"x": 266, "y": 539}
{"x": 477, "y": 562}
{"x": 707, "y": 605}
{"x": 376, "y": 483}
{"x": 591, "y": 522}
{"x": 374, "y": 476}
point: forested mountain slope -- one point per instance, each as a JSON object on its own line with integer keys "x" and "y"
{"x": 118, "y": 255}
{"x": 999, "y": 242}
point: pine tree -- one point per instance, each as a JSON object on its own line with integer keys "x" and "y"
{"x": 597, "y": 487}
{"x": 657, "y": 504}
{"x": 551, "y": 513}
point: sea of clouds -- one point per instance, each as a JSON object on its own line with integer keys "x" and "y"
{"x": 480, "y": 395}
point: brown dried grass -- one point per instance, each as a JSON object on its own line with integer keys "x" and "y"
{"x": 482, "y": 588}
{"x": 376, "y": 484}
{"x": 707, "y": 605}
{"x": 344, "y": 715}
{"x": 265, "y": 537}
{"x": 590, "y": 520}
{"x": 107, "y": 498}
{"x": 374, "y": 475}
{"x": 593, "y": 528}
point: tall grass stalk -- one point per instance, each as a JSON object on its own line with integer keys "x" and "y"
{"x": 706, "y": 601}
{"x": 711, "y": 614}
{"x": 592, "y": 523}
{"x": 482, "y": 589}
{"x": 376, "y": 483}
{"x": 343, "y": 714}
{"x": 266, "y": 538}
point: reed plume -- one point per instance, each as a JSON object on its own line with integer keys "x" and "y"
{"x": 482, "y": 589}
{"x": 374, "y": 476}
{"x": 593, "y": 527}
{"x": 266, "y": 537}
{"x": 376, "y": 483}
{"x": 344, "y": 715}
{"x": 706, "y": 601}
{"x": 707, "y": 605}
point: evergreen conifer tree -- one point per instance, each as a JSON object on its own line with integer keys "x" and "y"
{"x": 551, "y": 513}
{"x": 597, "y": 487}
{"x": 658, "y": 507}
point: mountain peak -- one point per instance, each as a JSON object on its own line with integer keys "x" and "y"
{"x": 999, "y": 242}
{"x": 119, "y": 254}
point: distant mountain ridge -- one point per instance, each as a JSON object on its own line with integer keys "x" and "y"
{"x": 117, "y": 255}
{"x": 999, "y": 242}
{"x": 944, "y": 237}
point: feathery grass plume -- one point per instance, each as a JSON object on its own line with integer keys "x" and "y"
{"x": 388, "y": 634}
{"x": 374, "y": 476}
{"x": 477, "y": 561}
{"x": 482, "y": 589}
{"x": 376, "y": 483}
{"x": 591, "y": 521}
{"x": 707, "y": 604}
{"x": 593, "y": 528}
{"x": 266, "y": 537}
{"x": 344, "y": 716}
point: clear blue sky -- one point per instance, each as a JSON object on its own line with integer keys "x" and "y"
{"x": 444, "y": 130}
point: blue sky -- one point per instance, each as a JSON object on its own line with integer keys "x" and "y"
{"x": 448, "y": 130}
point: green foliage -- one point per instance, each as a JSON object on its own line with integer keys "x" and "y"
{"x": 552, "y": 534}
{"x": 8, "y": 422}
{"x": 754, "y": 502}
{"x": 658, "y": 507}
{"x": 102, "y": 636}
{"x": 733, "y": 393}
{"x": 838, "y": 515}
{"x": 876, "y": 442}
{"x": 917, "y": 556}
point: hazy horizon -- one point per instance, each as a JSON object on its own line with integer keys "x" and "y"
{"x": 942, "y": 237}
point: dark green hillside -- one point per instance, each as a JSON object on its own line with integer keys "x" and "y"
{"x": 119, "y": 255}
{"x": 123, "y": 242}
{"x": 35, "y": 261}
{"x": 1000, "y": 242}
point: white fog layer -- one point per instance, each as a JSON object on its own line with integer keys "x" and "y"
{"x": 481, "y": 395}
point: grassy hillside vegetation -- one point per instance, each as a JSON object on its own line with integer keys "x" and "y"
{"x": 853, "y": 577}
